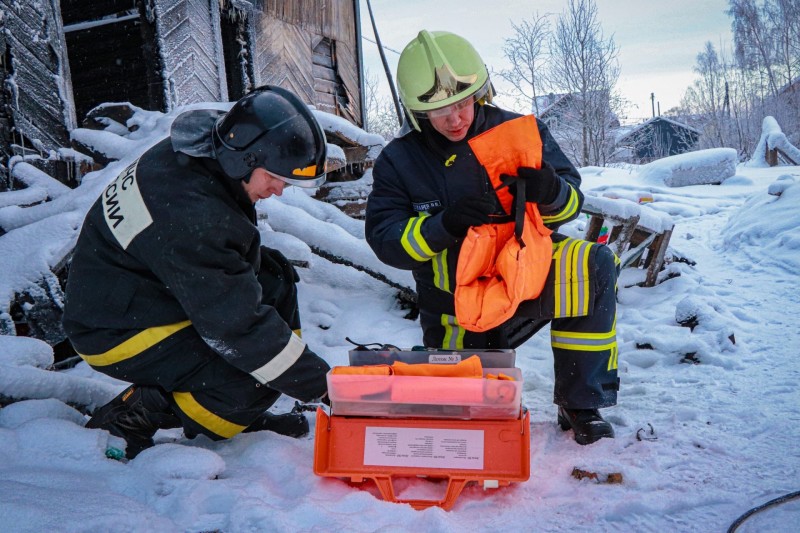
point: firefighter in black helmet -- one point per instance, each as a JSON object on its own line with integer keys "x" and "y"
{"x": 170, "y": 289}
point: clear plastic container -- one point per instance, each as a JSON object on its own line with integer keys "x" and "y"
{"x": 428, "y": 397}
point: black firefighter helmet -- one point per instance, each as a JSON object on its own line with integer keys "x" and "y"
{"x": 273, "y": 129}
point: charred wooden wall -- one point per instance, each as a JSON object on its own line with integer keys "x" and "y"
{"x": 5, "y": 111}
{"x": 110, "y": 45}
{"x": 191, "y": 51}
{"x": 36, "y": 77}
{"x": 308, "y": 46}
{"x": 312, "y": 48}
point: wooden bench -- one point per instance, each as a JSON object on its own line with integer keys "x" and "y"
{"x": 638, "y": 234}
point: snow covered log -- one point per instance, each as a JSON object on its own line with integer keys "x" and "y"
{"x": 25, "y": 374}
{"x": 772, "y": 144}
{"x": 704, "y": 167}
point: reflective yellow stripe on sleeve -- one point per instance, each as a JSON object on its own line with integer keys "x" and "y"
{"x": 569, "y": 209}
{"x": 453, "y": 333}
{"x": 135, "y": 345}
{"x": 280, "y": 363}
{"x": 441, "y": 274}
{"x": 413, "y": 242}
{"x": 192, "y": 408}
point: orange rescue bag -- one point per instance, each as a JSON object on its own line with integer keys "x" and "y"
{"x": 497, "y": 269}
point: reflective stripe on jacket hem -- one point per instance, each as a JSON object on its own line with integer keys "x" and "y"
{"x": 281, "y": 362}
{"x": 135, "y": 345}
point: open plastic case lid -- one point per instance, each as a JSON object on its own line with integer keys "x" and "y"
{"x": 499, "y": 358}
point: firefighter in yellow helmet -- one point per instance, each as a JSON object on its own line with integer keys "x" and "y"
{"x": 430, "y": 188}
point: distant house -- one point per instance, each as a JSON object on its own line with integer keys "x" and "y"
{"x": 556, "y": 109}
{"x": 658, "y": 137}
{"x": 60, "y": 59}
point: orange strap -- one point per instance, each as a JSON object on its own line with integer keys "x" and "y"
{"x": 367, "y": 370}
{"x": 468, "y": 368}
{"x": 504, "y": 148}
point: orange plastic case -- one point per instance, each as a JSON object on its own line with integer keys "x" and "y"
{"x": 462, "y": 430}
{"x": 493, "y": 453}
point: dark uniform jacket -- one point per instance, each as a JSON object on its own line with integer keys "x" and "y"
{"x": 173, "y": 239}
{"x": 417, "y": 176}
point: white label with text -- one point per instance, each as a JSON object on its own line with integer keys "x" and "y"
{"x": 424, "y": 447}
{"x": 447, "y": 358}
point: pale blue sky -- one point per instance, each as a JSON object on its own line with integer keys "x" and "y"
{"x": 658, "y": 40}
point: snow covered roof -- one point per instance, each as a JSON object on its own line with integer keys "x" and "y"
{"x": 644, "y": 125}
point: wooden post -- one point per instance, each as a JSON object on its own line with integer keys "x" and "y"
{"x": 625, "y": 234}
{"x": 593, "y": 230}
{"x": 772, "y": 157}
{"x": 659, "y": 247}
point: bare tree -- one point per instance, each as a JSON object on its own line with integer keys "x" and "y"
{"x": 730, "y": 99}
{"x": 753, "y": 40}
{"x": 381, "y": 114}
{"x": 528, "y": 53}
{"x": 708, "y": 95}
{"x": 584, "y": 65}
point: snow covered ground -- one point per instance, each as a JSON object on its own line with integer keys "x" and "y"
{"x": 697, "y": 445}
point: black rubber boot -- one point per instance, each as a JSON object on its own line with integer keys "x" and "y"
{"x": 587, "y": 424}
{"x": 135, "y": 415}
{"x": 291, "y": 424}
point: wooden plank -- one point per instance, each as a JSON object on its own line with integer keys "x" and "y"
{"x": 192, "y": 50}
{"x": 322, "y": 60}
{"x": 284, "y": 57}
{"x": 326, "y": 87}
{"x": 323, "y": 73}
{"x": 659, "y": 248}
{"x": 632, "y": 255}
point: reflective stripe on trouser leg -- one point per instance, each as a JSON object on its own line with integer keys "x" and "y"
{"x": 217, "y": 399}
{"x": 571, "y": 290}
{"x": 209, "y": 395}
{"x": 197, "y": 418}
{"x": 585, "y": 348}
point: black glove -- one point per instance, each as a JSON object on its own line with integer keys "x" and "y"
{"x": 274, "y": 262}
{"x": 469, "y": 211}
{"x": 541, "y": 185}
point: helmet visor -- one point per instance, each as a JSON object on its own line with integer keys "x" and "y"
{"x": 307, "y": 183}
{"x": 456, "y": 107}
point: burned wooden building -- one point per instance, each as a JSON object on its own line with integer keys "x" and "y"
{"x": 656, "y": 138}
{"x": 61, "y": 58}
